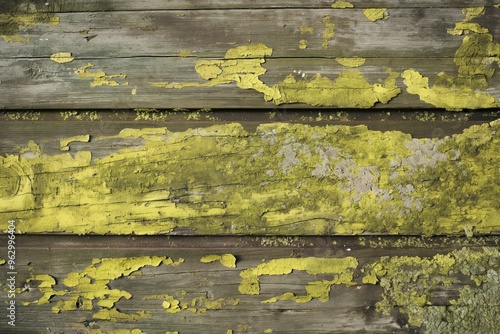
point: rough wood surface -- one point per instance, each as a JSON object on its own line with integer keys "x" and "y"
{"x": 126, "y": 50}
{"x": 351, "y": 304}
{"x": 275, "y": 178}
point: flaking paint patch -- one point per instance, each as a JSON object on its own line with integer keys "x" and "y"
{"x": 351, "y": 62}
{"x": 91, "y": 285}
{"x": 62, "y": 57}
{"x": 473, "y": 60}
{"x": 350, "y": 89}
{"x": 375, "y": 14}
{"x": 283, "y": 178}
{"x": 227, "y": 260}
{"x": 116, "y": 331}
{"x": 342, "y": 4}
{"x": 341, "y": 268}
{"x": 328, "y": 32}
{"x": 64, "y": 142}
{"x": 99, "y": 78}
{"x": 198, "y": 305}
{"x": 409, "y": 282}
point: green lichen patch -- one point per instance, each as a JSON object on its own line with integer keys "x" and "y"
{"x": 410, "y": 281}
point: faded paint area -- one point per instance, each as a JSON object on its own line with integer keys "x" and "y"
{"x": 14, "y": 28}
{"x": 342, "y": 4}
{"x": 351, "y": 62}
{"x": 375, "y": 14}
{"x": 341, "y": 268}
{"x": 197, "y": 305}
{"x": 62, "y": 57}
{"x": 227, "y": 260}
{"x": 473, "y": 60}
{"x": 350, "y": 89}
{"x": 99, "y": 78}
{"x": 91, "y": 285}
{"x": 328, "y": 32}
{"x": 64, "y": 142}
{"x": 409, "y": 283}
{"x": 291, "y": 179}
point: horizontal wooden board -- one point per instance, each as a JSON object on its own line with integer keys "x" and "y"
{"x": 352, "y": 307}
{"x": 141, "y": 48}
{"x": 270, "y": 178}
{"x": 115, "y": 5}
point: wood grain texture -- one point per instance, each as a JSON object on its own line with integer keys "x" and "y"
{"x": 349, "y": 308}
{"x": 164, "y": 45}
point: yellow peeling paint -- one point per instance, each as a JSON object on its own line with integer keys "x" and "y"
{"x": 89, "y": 288}
{"x": 116, "y": 331}
{"x": 64, "y": 142}
{"x": 341, "y": 268}
{"x": 2, "y": 261}
{"x": 185, "y": 53}
{"x": 197, "y": 305}
{"x": 227, "y": 260}
{"x": 342, "y": 4}
{"x": 328, "y": 32}
{"x": 303, "y": 44}
{"x": 99, "y": 78}
{"x": 62, "y": 57}
{"x": 305, "y": 29}
{"x": 375, "y": 14}
{"x": 171, "y": 332}
{"x": 473, "y": 60}
{"x": 350, "y": 89}
{"x": 291, "y": 179}
{"x": 351, "y": 62}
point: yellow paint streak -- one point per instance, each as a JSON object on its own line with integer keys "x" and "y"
{"x": 466, "y": 26}
{"x": 115, "y": 331}
{"x": 62, "y": 57}
{"x": 473, "y": 60}
{"x": 227, "y": 260}
{"x": 185, "y": 53}
{"x": 99, "y": 78}
{"x": 113, "y": 315}
{"x": 341, "y": 268}
{"x": 351, "y": 62}
{"x": 375, "y": 14}
{"x": 350, "y": 89}
{"x": 328, "y": 32}
{"x": 342, "y": 4}
{"x": 197, "y": 305}
{"x": 64, "y": 142}
{"x": 305, "y": 29}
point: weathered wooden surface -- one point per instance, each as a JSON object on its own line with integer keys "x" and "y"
{"x": 415, "y": 285}
{"x": 277, "y": 178}
{"x": 134, "y": 46}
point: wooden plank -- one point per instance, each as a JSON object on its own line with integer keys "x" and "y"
{"x": 277, "y": 178}
{"x": 137, "y": 52}
{"x": 124, "y": 5}
{"x": 351, "y": 306}
{"x": 423, "y": 270}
